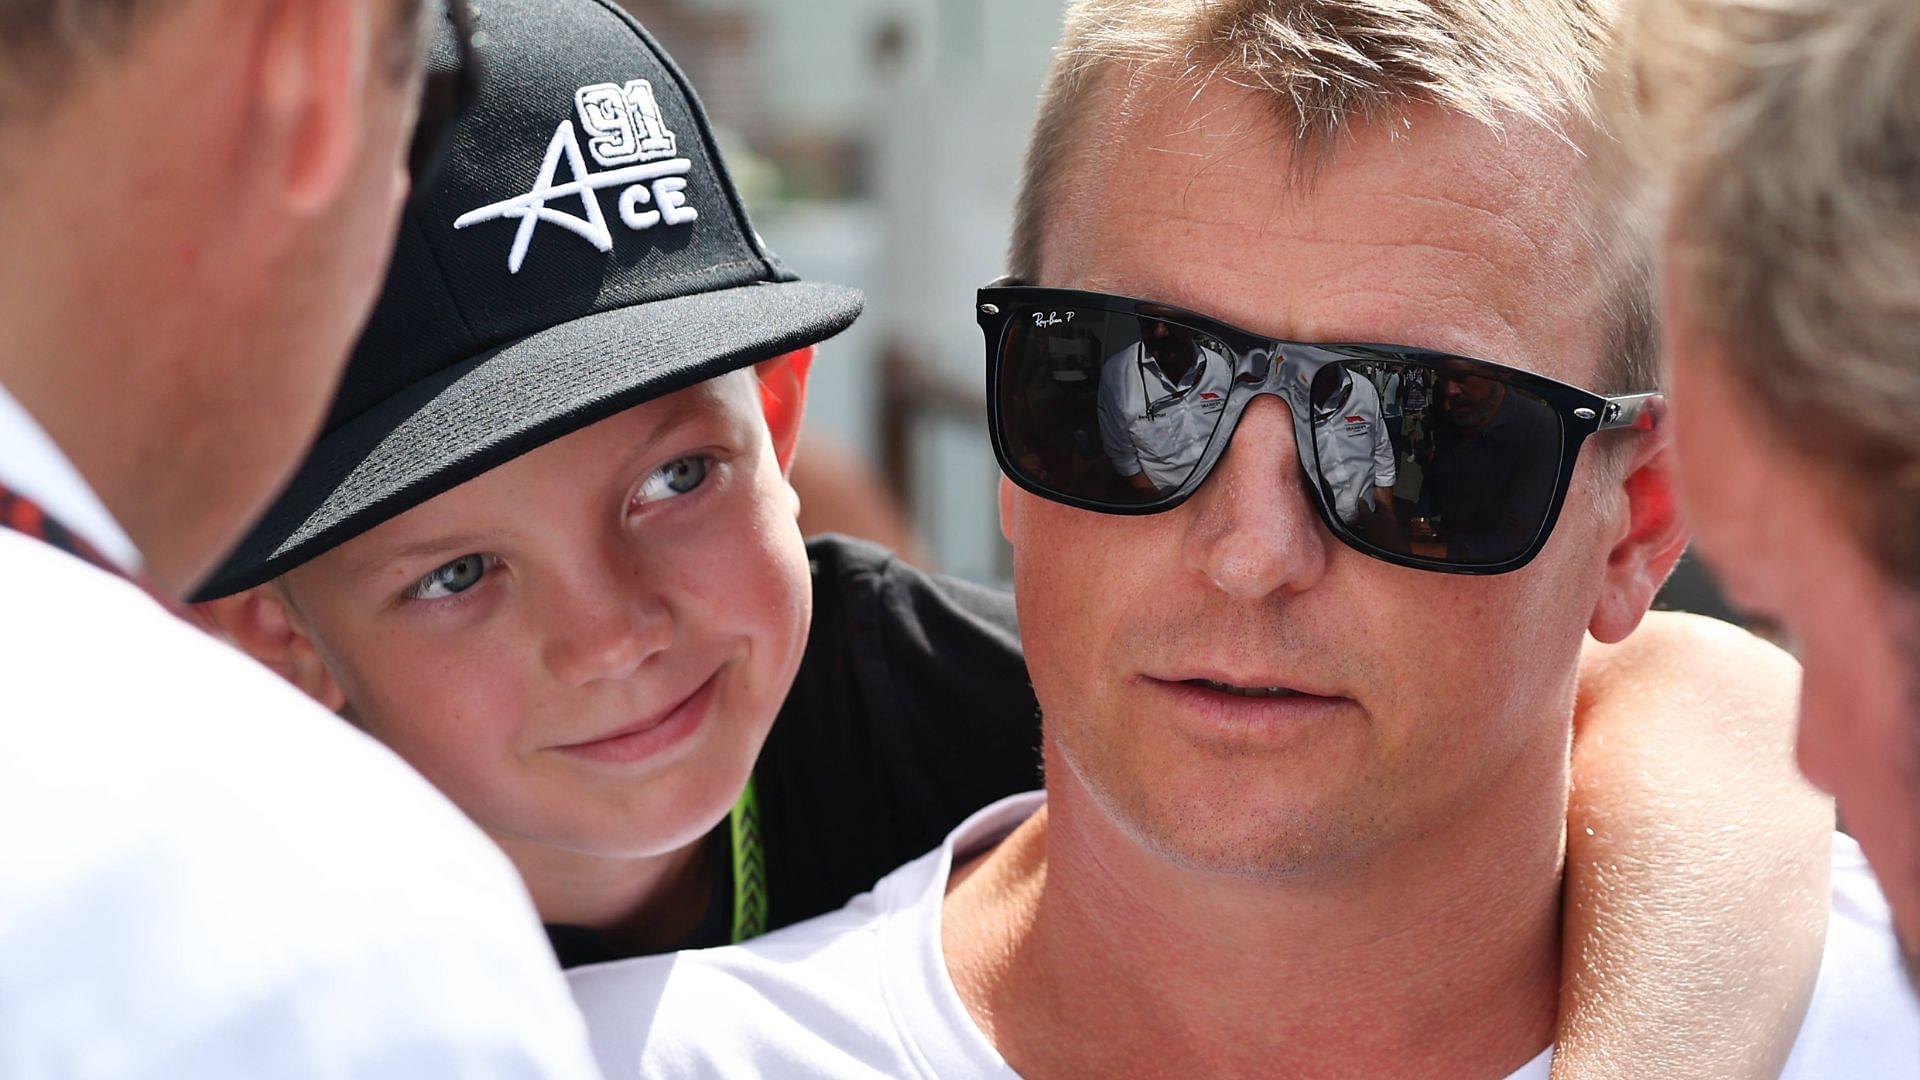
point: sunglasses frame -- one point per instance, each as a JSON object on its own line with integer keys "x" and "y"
{"x": 1582, "y": 413}
{"x": 445, "y": 99}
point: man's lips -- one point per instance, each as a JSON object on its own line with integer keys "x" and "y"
{"x": 1243, "y": 707}
{"x": 1265, "y": 685}
{"x": 1244, "y": 691}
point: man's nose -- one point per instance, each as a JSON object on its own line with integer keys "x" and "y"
{"x": 1252, "y": 531}
{"x": 604, "y": 623}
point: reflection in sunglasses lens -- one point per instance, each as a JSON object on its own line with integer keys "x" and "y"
{"x": 1109, "y": 407}
{"x": 1416, "y": 461}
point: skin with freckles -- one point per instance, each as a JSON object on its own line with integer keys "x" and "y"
{"x": 644, "y": 571}
{"x": 1364, "y": 881}
{"x": 1765, "y": 515}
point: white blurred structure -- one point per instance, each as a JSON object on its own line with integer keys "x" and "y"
{"x": 879, "y": 145}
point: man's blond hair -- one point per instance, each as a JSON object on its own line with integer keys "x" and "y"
{"x": 1328, "y": 66}
{"x": 43, "y": 43}
{"x": 1788, "y": 135}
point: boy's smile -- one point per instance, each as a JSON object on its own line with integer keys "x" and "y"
{"x": 584, "y": 647}
{"x": 652, "y": 735}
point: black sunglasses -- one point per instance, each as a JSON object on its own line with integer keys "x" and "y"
{"x": 1416, "y": 457}
{"x": 446, "y": 94}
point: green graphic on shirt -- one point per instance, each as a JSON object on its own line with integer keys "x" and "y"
{"x": 749, "y": 868}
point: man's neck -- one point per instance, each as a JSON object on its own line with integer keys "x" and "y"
{"x": 1080, "y": 953}
{"x": 111, "y": 322}
{"x": 642, "y": 905}
{"x": 92, "y": 400}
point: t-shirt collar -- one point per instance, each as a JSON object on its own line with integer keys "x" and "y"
{"x": 929, "y": 1014}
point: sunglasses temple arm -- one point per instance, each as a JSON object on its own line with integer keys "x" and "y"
{"x": 1638, "y": 411}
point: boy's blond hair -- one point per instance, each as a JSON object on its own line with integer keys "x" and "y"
{"x": 1328, "y": 66}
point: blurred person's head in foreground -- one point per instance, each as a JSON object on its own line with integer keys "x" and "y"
{"x": 545, "y": 547}
{"x": 200, "y": 198}
{"x": 1782, "y": 142}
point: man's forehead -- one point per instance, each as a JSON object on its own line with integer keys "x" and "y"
{"x": 1424, "y": 229}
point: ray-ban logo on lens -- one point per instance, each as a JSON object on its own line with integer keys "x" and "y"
{"x": 626, "y": 134}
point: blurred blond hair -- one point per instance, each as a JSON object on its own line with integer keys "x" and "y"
{"x": 44, "y": 43}
{"x": 1330, "y": 65}
{"x": 1781, "y": 140}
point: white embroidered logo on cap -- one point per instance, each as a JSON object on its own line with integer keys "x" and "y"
{"x": 626, "y": 133}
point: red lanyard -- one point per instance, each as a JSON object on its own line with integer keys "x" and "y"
{"x": 24, "y": 516}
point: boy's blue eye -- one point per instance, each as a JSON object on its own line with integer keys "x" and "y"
{"x": 676, "y": 477}
{"x": 452, "y": 579}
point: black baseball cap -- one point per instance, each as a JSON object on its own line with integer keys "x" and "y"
{"x": 579, "y": 250}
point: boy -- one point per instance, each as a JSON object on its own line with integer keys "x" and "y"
{"x": 546, "y": 549}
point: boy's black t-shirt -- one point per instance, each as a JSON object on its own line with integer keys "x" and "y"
{"x": 911, "y": 710}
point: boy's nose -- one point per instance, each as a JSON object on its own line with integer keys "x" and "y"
{"x": 602, "y": 630}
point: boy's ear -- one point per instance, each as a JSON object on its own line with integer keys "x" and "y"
{"x": 783, "y": 397}
{"x": 260, "y": 622}
{"x": 1652, "y": 538}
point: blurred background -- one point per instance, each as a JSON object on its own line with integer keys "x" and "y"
{"x": 878, "y": 144}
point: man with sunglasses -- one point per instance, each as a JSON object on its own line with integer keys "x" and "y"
{"x": 205, "y": 875}
{"x": 1307, "y": 771}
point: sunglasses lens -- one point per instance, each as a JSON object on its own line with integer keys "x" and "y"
{"x": 438, "y": 110}
{"x": 446, "y": 93}
{"x": 1116, "y": 409}
{"x": 1416, "y": 461}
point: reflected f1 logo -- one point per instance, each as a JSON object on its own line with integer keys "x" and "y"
{"x": 625, "y": 129}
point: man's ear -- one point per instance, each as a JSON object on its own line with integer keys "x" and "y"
{"x": 1654, "y": 536}
{"x": 783, "y": 397}
{"x": 260, "y": 622}
{"x": 312, "y": 71}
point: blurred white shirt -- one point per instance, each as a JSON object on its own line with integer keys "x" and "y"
{"x": 203, "y": 874}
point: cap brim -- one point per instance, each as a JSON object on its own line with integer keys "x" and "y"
{"x": 475, "y": 415}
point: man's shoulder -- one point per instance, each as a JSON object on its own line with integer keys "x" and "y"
{"x": 1864, "y": 1019}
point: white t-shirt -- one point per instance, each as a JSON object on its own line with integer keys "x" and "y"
{"x": 864, "y": 991}
{"x": 203, "y": 874}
